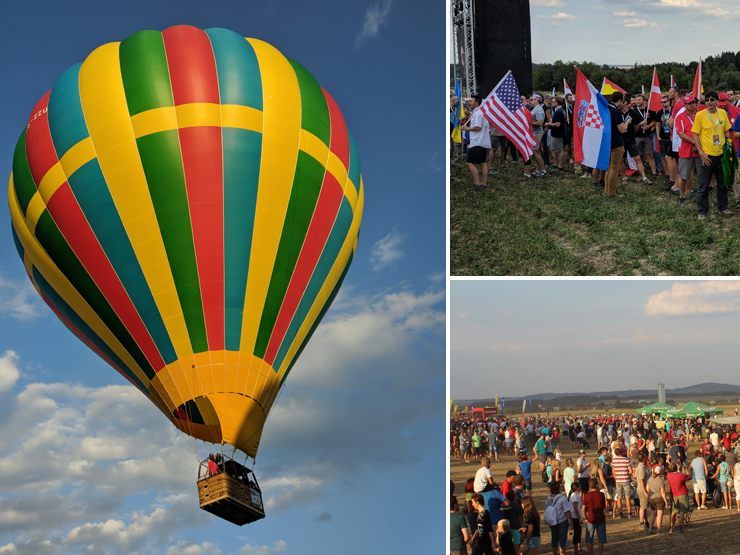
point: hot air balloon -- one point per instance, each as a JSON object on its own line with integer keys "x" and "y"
{"x": 188, "y": 203}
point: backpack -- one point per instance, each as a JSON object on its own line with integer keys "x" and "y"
{"x": 551, "y": 514}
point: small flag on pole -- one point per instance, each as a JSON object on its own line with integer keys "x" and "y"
{"x": 697, "y": 88}
{"x": 655, "y": 94}
{"x": 608, "y": 87}
{"x": 566, "y": 88}
{"x": 673, "y": 82}
{"x": 553, "y": 91}
{"x": 642, "y": 90}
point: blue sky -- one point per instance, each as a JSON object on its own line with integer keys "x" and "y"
{"x": 515, "y": 338}
{"x": 622, "y": 32}
{"x": 85, "y": 463}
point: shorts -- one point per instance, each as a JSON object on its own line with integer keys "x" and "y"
{"x": 657, "y": 504}
{"x": 537, "y": 141}
{"x": 528, "y": 483}
{"x": 645, "y": 144}
{"x": 516, "y": 536}
{"x": 498, "y": 141}
{"x": 556, "y": 143}
{"x": 477, "y": 155}
{"x": 643, "y": 497}
{"x": 700, "y": 486}
{"x": 686, "y": 164}
{"x": 666, "y": 146}
{"x": 681, "y": 504}
{"x": 724, "y": 487}
{"x": 542, "y": 457}
{"x": 600, "y": 530}
{"x": 534, "y": 542}
{"x": 630, "y": 147}
{"x": 737, "y": 488}
{"x": 623, "y": 490}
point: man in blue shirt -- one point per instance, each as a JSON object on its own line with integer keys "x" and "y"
{"x": 699, "y": 475}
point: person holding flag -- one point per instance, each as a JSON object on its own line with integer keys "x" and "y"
{"x": 456, "y": 116}
{"x": 619, "y": 122}
{"x": 711, "y": 130}
{"x": 480, "y": 142}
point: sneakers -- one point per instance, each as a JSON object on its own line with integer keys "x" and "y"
{"x": 726, "y": 212}
{"x": 702, "y": 218}
{"x": 585, "y": 175}
{"x": 646, "y": 181}
{"x": 539, "y": 173}
{"x": 527, "y": 176}
{"x": 703, "y": 506}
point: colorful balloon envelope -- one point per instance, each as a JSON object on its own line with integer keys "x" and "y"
{"x": 188, "y": 203}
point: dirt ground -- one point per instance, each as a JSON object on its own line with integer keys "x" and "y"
{"x": 712, "y": 532}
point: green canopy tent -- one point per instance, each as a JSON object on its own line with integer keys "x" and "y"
{"x": 655, "y": 408}
{"x": 693, "y": 409}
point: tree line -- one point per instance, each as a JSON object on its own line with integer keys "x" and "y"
{"x": 721, "y": 72}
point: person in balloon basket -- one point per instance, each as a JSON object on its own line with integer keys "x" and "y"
{"x": 212, "y": 465}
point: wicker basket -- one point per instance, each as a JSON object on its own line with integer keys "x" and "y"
{"x": 230, "y": 499}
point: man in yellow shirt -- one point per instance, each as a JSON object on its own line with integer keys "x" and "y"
{"x": 711, "y": 129}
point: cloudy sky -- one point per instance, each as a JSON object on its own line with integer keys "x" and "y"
{"x": 515, "y": 338}
{"x": 622, "y": 32}
{"x": 87, "y": 466}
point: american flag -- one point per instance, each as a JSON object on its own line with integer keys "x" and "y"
{"x": 504, "y": 110}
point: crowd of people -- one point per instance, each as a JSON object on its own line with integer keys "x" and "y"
{"x": 682, "y": 147}
{"x": 628, "y": 466}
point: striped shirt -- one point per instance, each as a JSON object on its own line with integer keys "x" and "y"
{"x": 621, "y": 469}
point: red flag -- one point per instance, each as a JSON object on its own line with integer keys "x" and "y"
{"x": 566, "y": 88}
{"x": 655, "y": 94}
{"x": 697, "y": 89}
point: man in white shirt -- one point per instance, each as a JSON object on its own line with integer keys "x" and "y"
{"x": 480, "y": 142}
{"x": 484, "y": 477}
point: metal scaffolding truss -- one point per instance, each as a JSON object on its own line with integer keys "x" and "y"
{"x": 463, "y": 30}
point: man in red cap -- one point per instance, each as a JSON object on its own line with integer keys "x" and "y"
{"x": 688, "y": 157}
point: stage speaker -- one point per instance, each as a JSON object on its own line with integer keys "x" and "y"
{"x": 503, "y": 41}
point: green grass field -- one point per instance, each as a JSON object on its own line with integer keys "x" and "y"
{"x": 563, "y": 225}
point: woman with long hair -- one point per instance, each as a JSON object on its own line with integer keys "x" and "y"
{"x": 531, "y": 528}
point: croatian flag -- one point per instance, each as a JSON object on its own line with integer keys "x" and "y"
{"x": 592, "y": 132}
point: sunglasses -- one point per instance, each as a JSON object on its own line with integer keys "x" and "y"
{"x": 711, "y": 99}
{"x": 664, "y": 101}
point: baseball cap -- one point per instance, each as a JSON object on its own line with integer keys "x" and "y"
{"x": 582, "y": 451}
{"x": 657, "y": 469}
{"x": 689, "y": 98}
{"x": 722, "y": 97}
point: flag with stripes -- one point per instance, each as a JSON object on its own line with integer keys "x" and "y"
{"x": 504, "y": 110}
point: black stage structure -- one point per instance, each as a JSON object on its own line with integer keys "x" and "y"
{"x": 503, "y": 41}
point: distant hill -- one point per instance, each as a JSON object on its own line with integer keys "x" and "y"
{"x": 704, "y": 390}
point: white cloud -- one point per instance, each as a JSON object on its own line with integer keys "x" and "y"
{"x": 696, "y": 298}
{"x": 558, "y": 16}
{"x": 9, "y": 372}
{"x": 701, "y": 6}
{"x": 636, "y": 23}
{"x": 19, "y": 300}
{"x": 547, "y": 3}
{"x": 387, "y": 251}
{"x": 277, "y": 547}
{"x": 375, "y": 16}
{"x": 187, "y": 548}
{"x": 625, "y": 14}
